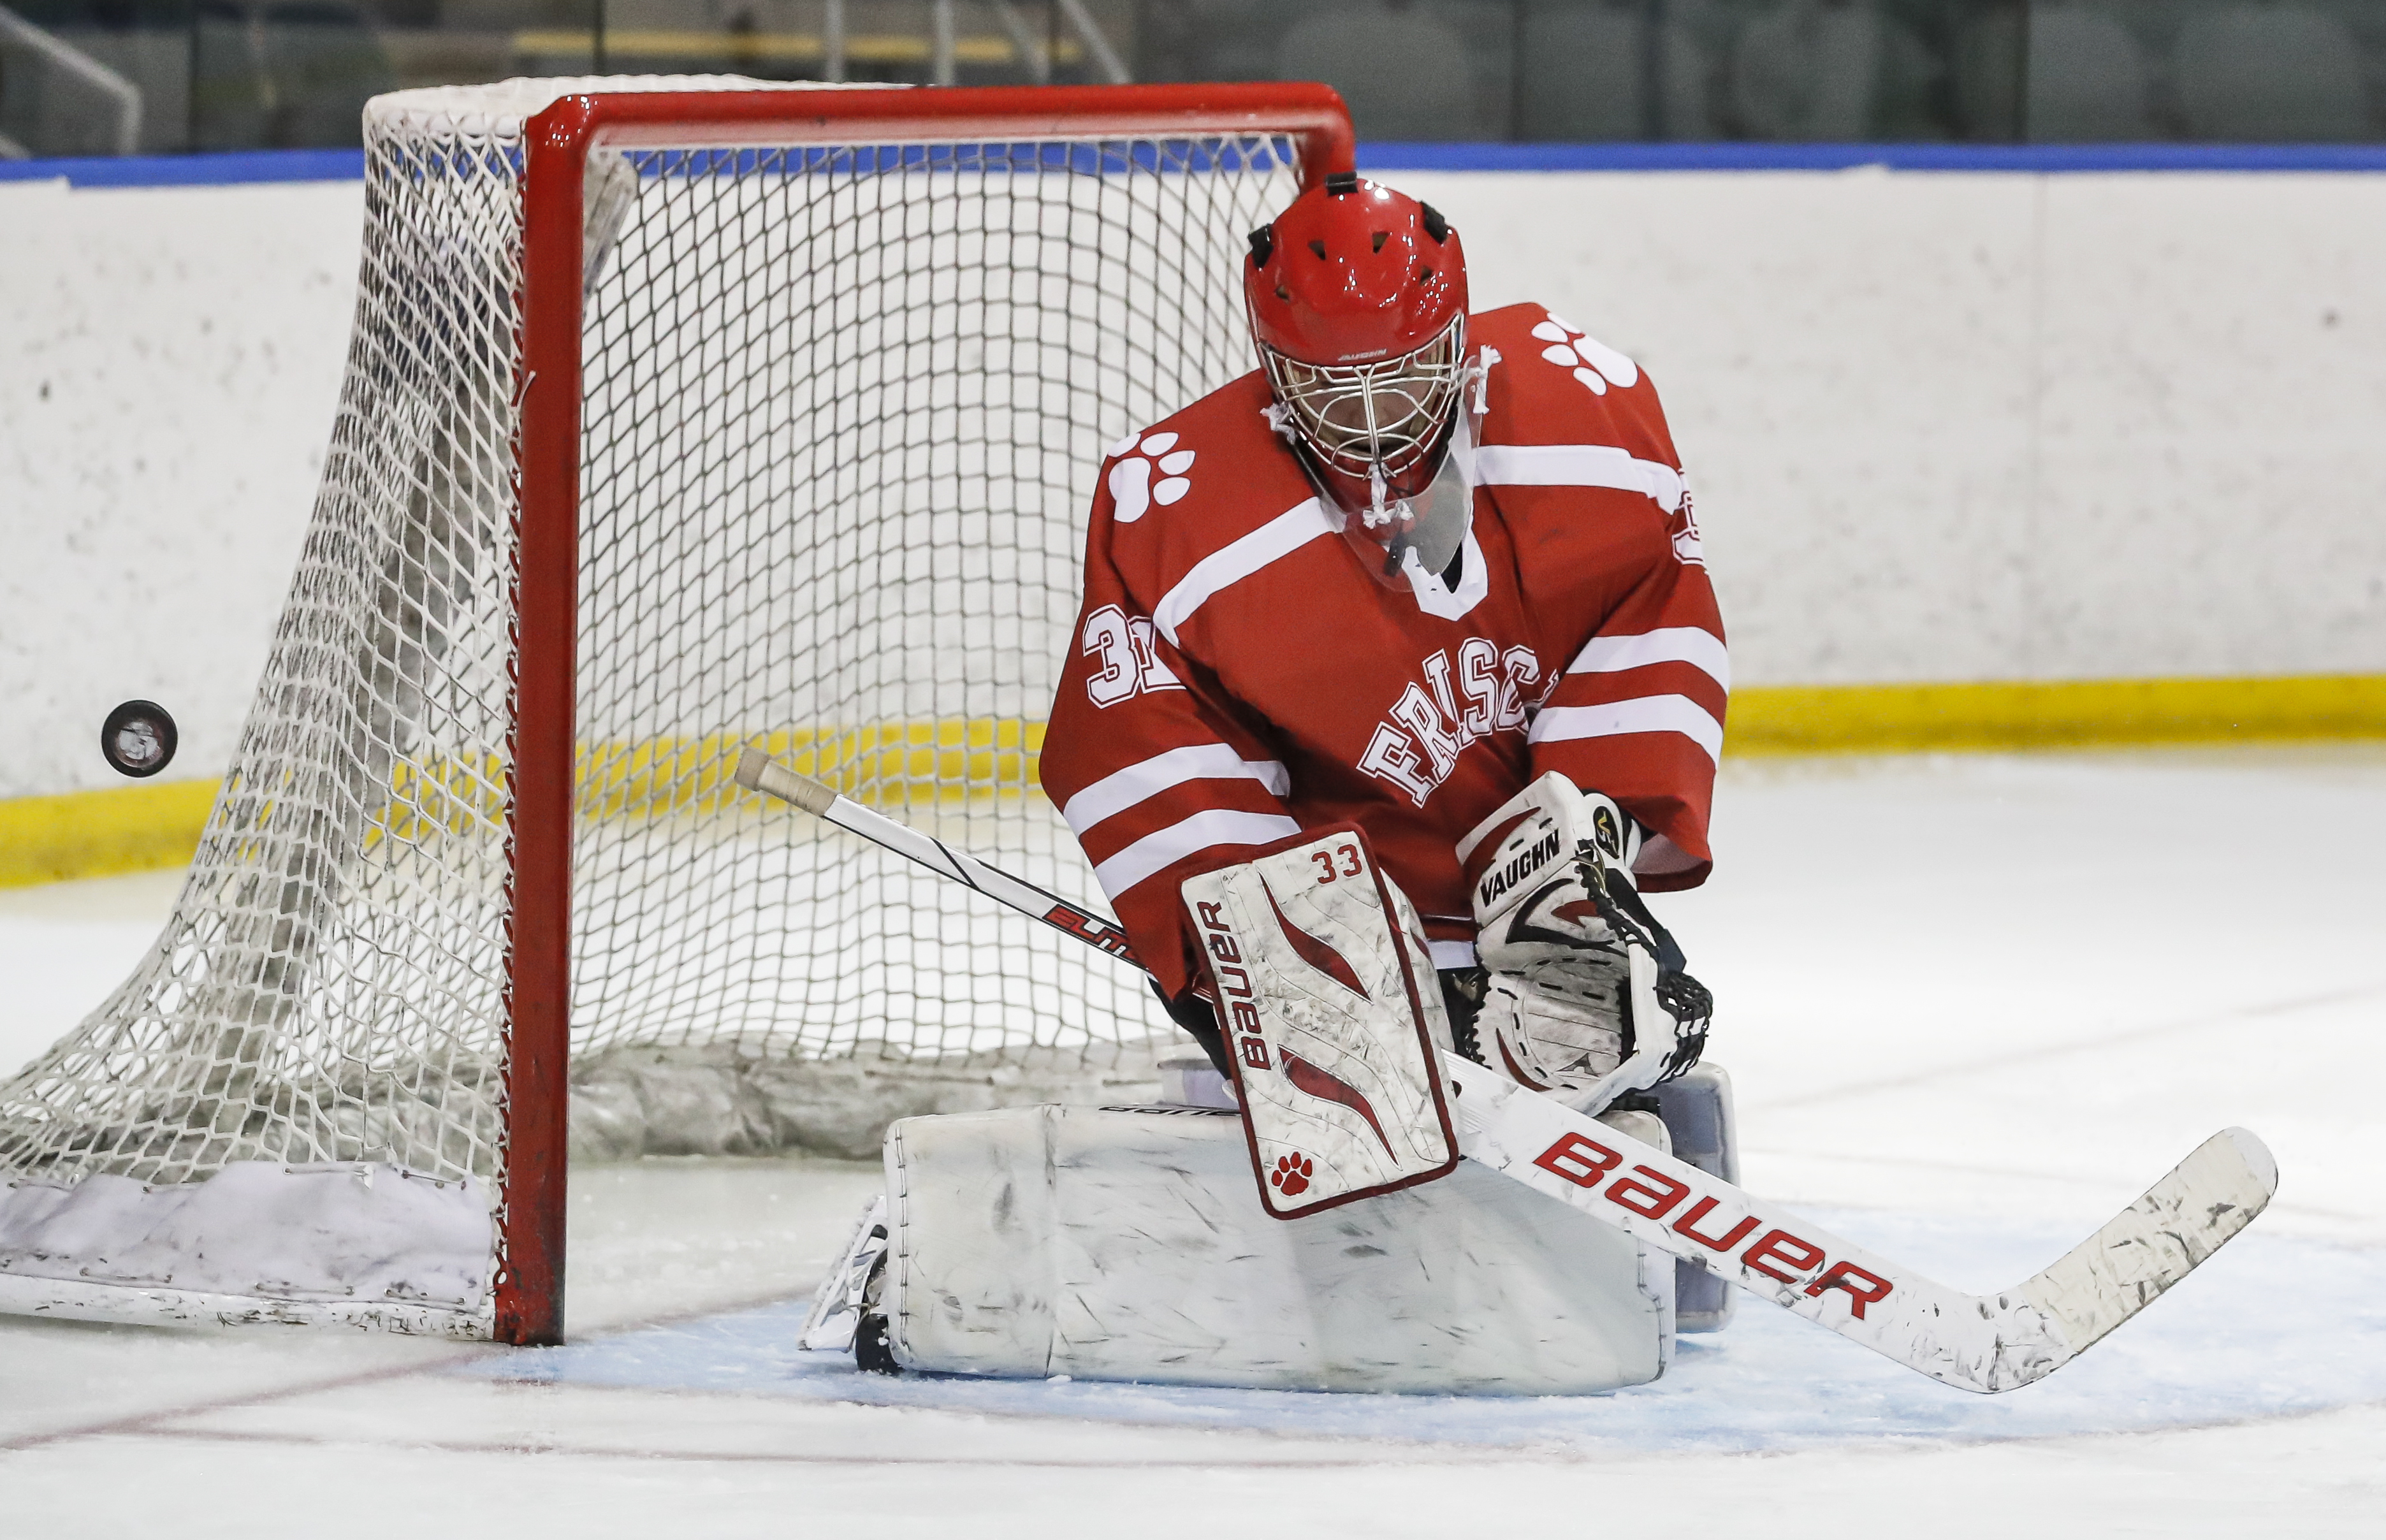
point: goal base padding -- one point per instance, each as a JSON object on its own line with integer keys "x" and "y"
{"x": 353, "y": 1243}
{"x": 1126, "y": 1244}
{"x": 131, "y": 1305}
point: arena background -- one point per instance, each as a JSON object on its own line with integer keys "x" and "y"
{"x": 2026, "y": 358}
{"x": 1991, "y": 446}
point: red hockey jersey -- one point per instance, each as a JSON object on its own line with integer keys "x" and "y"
{"x": 1239, "y": 676}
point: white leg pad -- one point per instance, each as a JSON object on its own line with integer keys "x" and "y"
{"x": 1113, "y": 1243}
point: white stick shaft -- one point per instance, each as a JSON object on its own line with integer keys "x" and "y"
{"x": 758, "y": 771}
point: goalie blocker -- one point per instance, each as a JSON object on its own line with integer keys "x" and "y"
{"x": 1333, "y": 1021}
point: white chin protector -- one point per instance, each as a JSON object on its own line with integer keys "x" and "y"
{"x": 1332, "y": 1017}
{"x": 1420, "y": 534}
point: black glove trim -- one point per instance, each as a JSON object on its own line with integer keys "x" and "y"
{"x": 1193, "y": 1013}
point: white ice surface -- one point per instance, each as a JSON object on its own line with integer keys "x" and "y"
{"x": 1971, "y": 1006}
{"x": 63, "y": 947}
{"x": 2271, "y": 1327}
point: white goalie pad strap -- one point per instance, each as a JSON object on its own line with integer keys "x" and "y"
{"x": 1332, "y": 1017}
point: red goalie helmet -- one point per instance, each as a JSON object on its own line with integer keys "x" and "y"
{"x": 1358, "y": 301}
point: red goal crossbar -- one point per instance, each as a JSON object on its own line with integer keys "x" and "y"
{"x": 545, "y": 582}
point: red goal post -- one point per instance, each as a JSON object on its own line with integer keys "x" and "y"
{"x": 529, "y": 1293}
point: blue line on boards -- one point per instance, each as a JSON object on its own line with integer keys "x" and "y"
{"x": 192, "y": 170}
{"x": 2035, "y": 158}
{"x": 267, "y": 165}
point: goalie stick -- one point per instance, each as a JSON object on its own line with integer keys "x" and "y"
{"x": 1985, "y": 1342}
{"x": 757, "y": 771}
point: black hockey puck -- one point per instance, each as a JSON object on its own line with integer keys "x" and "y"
{"x": 138, "y": 739}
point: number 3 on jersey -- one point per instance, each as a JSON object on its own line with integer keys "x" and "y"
{"x": 1325, "y": 860}
{"x": 1128, "y": 655}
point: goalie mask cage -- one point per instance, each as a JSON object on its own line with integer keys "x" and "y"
{"x": 679, "y": 415}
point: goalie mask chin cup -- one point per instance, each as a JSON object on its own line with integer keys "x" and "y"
{"x": 1399, "y": 533}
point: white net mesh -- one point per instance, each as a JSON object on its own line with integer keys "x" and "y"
{"x": 843, "y": 409}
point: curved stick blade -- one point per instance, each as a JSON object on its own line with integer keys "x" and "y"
{"x": 2158, "y": 1240}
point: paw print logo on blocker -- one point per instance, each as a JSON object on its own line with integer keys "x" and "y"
{"x": 1131, "y": 484}
{"x": 1596, "y": 366}
{"x": 1292, "y": 1173}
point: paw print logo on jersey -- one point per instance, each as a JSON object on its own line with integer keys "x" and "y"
{"x": 1292, "y": 1173}
{"x": 1596, "y": 366}
{"x": 1131, "y": 485}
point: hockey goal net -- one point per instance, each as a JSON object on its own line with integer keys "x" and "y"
{"x": 680, "y": 415}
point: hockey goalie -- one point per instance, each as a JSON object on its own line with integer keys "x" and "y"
{"x": 1397, "y": 684}
{"x": 1434, "y": 576}
{"x": 1398, "y": 681}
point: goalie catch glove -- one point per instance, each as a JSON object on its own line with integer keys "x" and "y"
{"x": 1587, "y": 994}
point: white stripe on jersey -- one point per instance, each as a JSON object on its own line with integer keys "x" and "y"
{"x": 1699, "y": 648}
{"x": 1280, "y": 537}
{"x": 1169, "y": 845}
{"x": 1146, "y": 779}
{"x": 1644, "y": 714}
{"x": 1577, "y": 465}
